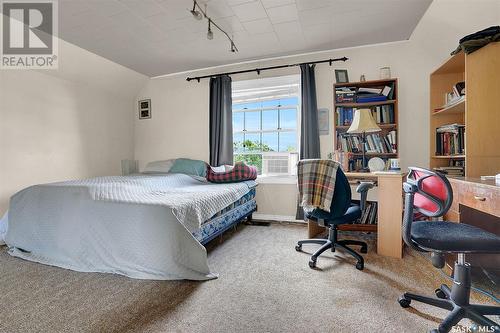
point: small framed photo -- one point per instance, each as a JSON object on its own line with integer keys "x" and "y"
{"x": 145, "y": 109}
{"x": 323, "y": 121}
{"x": 341, "y": 76}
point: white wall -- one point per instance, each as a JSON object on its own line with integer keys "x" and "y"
{"x": 73, "y": 122}
{"x": 179, "y": 126}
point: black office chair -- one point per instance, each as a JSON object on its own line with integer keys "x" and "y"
{"x": 430, "y": 193}
{"x": 342, "y": 211}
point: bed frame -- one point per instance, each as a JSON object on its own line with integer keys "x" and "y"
{"x": 219, "y": 224}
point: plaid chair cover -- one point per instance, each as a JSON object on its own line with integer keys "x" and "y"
{"x": 316, "y": 179}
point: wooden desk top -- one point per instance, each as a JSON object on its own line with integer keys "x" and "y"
{"x": 477, "y": 181}
{"x": 374, "y": 174}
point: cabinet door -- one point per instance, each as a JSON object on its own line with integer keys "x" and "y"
{"x": 482, "y": 115}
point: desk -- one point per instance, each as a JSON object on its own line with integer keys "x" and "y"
{"x": 476, "y": 202}
{"x": 390, "y": 213}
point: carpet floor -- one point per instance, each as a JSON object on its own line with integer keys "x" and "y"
{"x": 264, "y": 286}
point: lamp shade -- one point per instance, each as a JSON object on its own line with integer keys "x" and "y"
{"x": 363, "y": 122}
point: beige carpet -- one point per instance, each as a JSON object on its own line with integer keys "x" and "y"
{"x": 264, "y": 286}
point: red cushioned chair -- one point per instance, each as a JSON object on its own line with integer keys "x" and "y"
{"x": 430, "y": 194}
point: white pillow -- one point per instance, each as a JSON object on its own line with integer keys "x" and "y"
{"x": 159, "y": 166}
{"x": 218, "y": 169}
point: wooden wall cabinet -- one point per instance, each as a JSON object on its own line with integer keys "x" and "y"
{"x": 479, "y": 112}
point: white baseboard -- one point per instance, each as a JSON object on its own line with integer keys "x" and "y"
{"x": 278, "y": 218}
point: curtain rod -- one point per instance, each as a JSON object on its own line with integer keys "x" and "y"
{"x": 258, "y": 70}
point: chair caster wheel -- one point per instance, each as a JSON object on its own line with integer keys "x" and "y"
{"x": 360, "y": 266}
{"x": 298, "y": 248}
{"x": 364, "y": 250}
{"x": 404, "y": 302}
{"x": 439, "y": 293}
{"x": 312, "y": 263}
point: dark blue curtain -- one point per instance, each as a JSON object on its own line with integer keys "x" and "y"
{"x": 309, "y": 130}
{"x": 221, "y": 121}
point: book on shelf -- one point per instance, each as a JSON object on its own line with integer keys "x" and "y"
{"x": 450, "y": 140}
{"x": 365, "y": 90}
{"x": 370, "y": 97}
{"x": 346, "y": 94}
{"x": 456, "y": 96}
{"x": 344, "y": 116}
{"x": 375, "y": 143}
{"x": 369, "y": 215}
{"x": 459, "y": 88}
{"x": 342, "y": 158}
{"x": 355, "y": 164}
{"x": 453, "y": 171}
{"x": 451, "y": 102}
{"x": 383, "y": 114}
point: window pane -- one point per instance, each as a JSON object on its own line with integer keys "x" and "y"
{"x": 250, "y": 159}
{"x": 252, "y": 121}
{"x": 270, "y": 141}
{"x": 252, "y": 142}
{"x": 238, "y": 143}
{"x": 238, "y": 118}
{"x": 271, "y": 103}
{"x": 269, "y": 120}
{"x": 288, "y": 141}
{"x": 290, "y": 101}
{"x": 288, "y": 118}
{"x": 246, "y": 106}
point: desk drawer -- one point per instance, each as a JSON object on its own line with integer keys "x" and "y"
{"x": 481, "y": 198}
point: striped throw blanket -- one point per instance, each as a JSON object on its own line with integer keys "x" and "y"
{"x": 316, "y": 180}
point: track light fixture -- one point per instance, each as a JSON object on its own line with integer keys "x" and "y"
{"x": 198, "y": 13}
{"x": 210, "y": 34}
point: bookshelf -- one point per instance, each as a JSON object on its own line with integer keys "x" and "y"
{"x": 384, "y": 124}
{"x": 478, "y": 111}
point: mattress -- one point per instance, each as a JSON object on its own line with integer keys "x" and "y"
{"x": 226, "y": 217}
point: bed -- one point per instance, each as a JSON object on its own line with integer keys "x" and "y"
{"x": 146, "y": 226}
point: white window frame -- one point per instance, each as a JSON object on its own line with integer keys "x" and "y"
{"x": 277, "y": 130}
{"x": 287, "y": 80}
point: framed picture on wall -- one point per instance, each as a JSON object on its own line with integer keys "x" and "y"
{"x": 341, "y": 76}
{"x": 145, "y": 109}
{"x": 323, "y": 121}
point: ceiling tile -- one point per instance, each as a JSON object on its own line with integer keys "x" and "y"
{"x": 258, "y": 26}
{"x": 74, "y": 7}
{"x": 238, "y": 2}
{"x": 219, "y": 8}
{"x": 250, "y": 11}
{"x": 276, "y": 3}
{"x": 230, "y": 24}
{"x": 289, "y": 32}
{"x": 143, "y": 8}
{"x": 163, "y": 21}
{"x": 288, "y": 28}
{"x": 318, "y": 32}
{"x": 282, "y": 14}
{"x": 310, "y": 4}
{"x": 314, "y": 17}
{"x": 107, "y": 8}
{"x": 176, "y": 9}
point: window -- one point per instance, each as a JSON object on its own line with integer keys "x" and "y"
{"x": 265, "y": 123}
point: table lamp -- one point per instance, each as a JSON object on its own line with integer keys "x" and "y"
{"x": 363, "y": 123}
